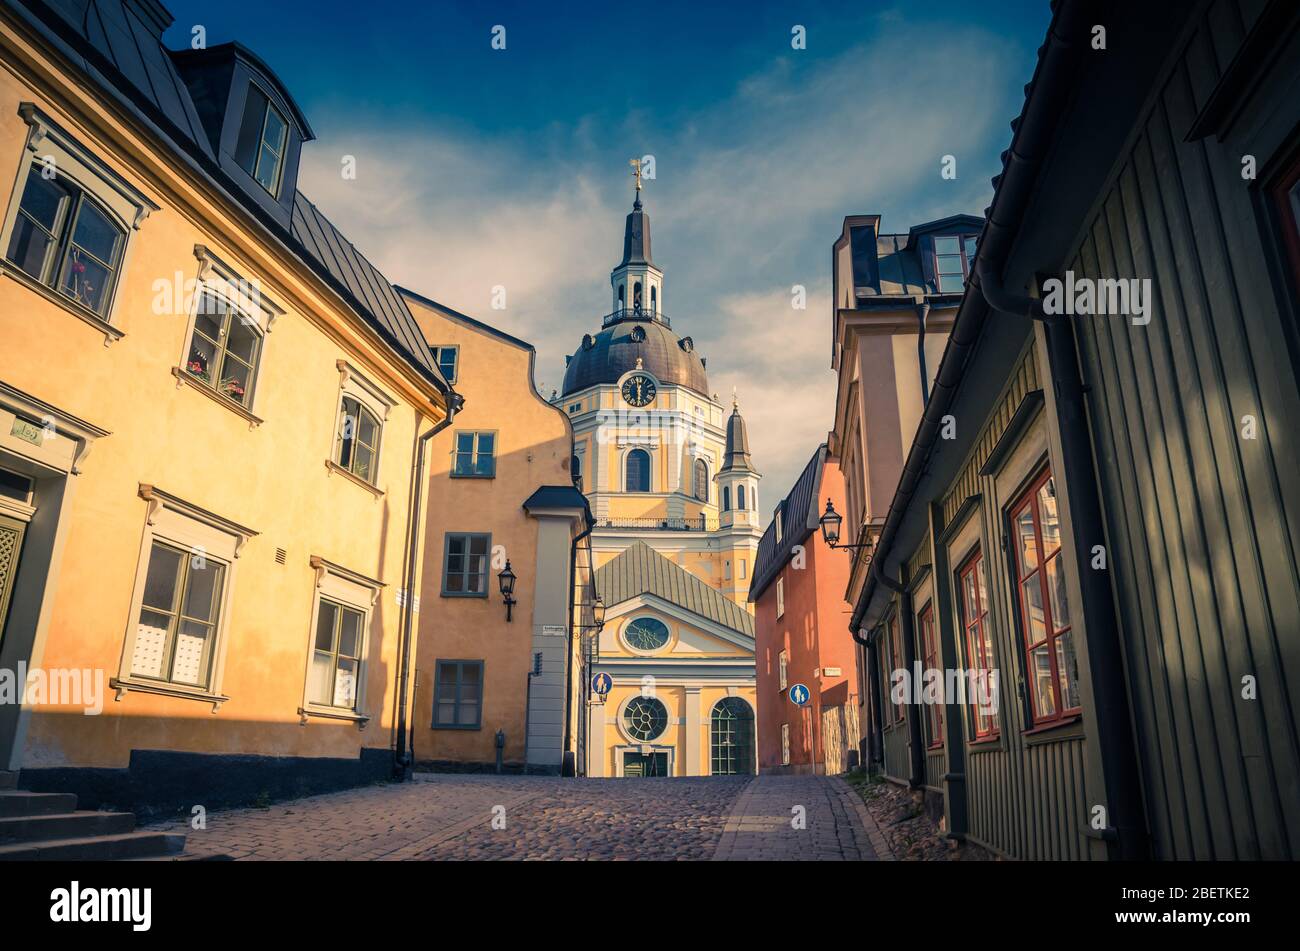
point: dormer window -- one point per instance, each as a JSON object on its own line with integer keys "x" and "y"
{"x": 953, "y": 255}
{"x": 262, "y": 137}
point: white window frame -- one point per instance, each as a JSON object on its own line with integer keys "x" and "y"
{"x": 780, "y": 598}
{"x": 437, "y": 359}
{"x": 216, "y": 277}
{"x": 354, "y": 383}
{"x": 47, "y": 142}
{"x": 355, "y": 591}
{"x": 785, "y": 744}
{"x": 174, "y": 521}
{"x": 783, "y": 669}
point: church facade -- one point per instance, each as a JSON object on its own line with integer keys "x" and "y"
{"x": 674, "y": 493}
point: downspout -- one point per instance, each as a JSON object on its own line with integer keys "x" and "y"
{"x": 402, "y": 757}
{"x": 907, "y": 630}
{"x": 875, "y": 734}
{"x": 1126, "y": 827}
{"x": 922, "y": 316}
{"x": 875, "y": 712}
{"x": 568, "y": 697}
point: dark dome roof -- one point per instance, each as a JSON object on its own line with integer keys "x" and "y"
{"x": 614, "y": 351}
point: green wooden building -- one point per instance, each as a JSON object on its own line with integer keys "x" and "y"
{"x": 1101, "y": 508}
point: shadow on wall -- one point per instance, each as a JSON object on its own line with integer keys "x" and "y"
{"x": 159, "y": 784}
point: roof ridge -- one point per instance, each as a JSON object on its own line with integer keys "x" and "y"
{"x": 683, "y": 588}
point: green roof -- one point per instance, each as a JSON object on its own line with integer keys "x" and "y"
{"x": 642, "y": 570}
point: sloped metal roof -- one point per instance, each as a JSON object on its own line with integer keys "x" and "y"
{"x": 371, "y": 293}
{"x": 799, "y": 519}
{"x": 118, "y": 44}
{"x": 121, "y": 36}
{"x": 642, "y": 570}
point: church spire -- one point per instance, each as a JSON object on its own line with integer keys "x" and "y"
{"x": 636, "y": 232}
{"x": 636, "y": 282}
{"x": 736, "y": 458}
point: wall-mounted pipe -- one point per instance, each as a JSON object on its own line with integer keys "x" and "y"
{"x": 402, "y": 754}
{"x": 922, "y": 318}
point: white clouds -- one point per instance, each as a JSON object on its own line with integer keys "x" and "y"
{"x": 749, "y": 195}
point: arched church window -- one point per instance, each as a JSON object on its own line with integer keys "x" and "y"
{"x": 654, "y": 299}
{"x": 740, "y": 497}
{"x": 575, "y": 469}
{"x": 622, "y": 297}
{"x": 731, "y": 738}
{"x": 638, "y": 471}
{"x": 726, "y": 498}
{"x": 636, "y": 296}
{"x": 701, "y": 480}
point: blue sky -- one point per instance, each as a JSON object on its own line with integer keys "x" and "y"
{"x": 479, "y": 167}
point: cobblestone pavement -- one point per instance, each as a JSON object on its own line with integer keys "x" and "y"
{"x": 474, "y": 817}
{"x": 800, "y": 818}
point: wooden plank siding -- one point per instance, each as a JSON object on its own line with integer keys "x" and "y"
{"x": 1023, "y": 381}
{"x": 898, "y": 763}
{"x": 936, "y": 764}
{"x": 1202, "y": 526}
{"x": 1025, "y": 799}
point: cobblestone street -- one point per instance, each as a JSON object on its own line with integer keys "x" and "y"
{"x": 452, "y": 817}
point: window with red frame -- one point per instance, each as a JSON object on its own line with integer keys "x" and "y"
{"x": 1050, "y": 665}
{"x": 930, "y": 652}
{"x": 1285, "y": 195}
{"x": 973, "y": 601}
{"x": 895, "y": 664}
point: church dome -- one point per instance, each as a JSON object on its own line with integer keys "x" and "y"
{"x": 626, "y": 337}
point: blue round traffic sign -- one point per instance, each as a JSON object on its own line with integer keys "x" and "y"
{"x": 601, "y": 683}
{"x": 799, "y": 695}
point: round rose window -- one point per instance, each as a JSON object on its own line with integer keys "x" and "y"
{"x": 646, "y": 634}
{"x": 645, "y": 718}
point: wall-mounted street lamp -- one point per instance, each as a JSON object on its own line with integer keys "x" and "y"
{"x": 597, "y": 616}
{"x": 830, "y": 523}
{"x": 506, "y": 578}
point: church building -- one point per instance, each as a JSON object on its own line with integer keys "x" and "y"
{"x": 667, "y": 471}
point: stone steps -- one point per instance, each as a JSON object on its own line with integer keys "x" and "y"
{"x": 49, "y": 827}
{"x": 64, "y": 825}
{"x": 18, "y": 802}
{"x": 96, "y": 848}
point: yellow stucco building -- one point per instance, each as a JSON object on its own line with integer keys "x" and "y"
{"x": 669, "y": 682}
{"x": 214, "y": 415}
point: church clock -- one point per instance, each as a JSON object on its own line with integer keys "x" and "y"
{"x": 639, "y": 390}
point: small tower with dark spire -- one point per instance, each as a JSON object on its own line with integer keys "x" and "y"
{"x": 637, "y": 285}
{"x": 737, "y": 479}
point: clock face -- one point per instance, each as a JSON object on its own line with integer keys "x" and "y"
{"x": 639, "y": 390}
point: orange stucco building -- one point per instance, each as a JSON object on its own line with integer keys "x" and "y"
{"x": 500, "y": 492}
{"x": 801, "y": 634}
